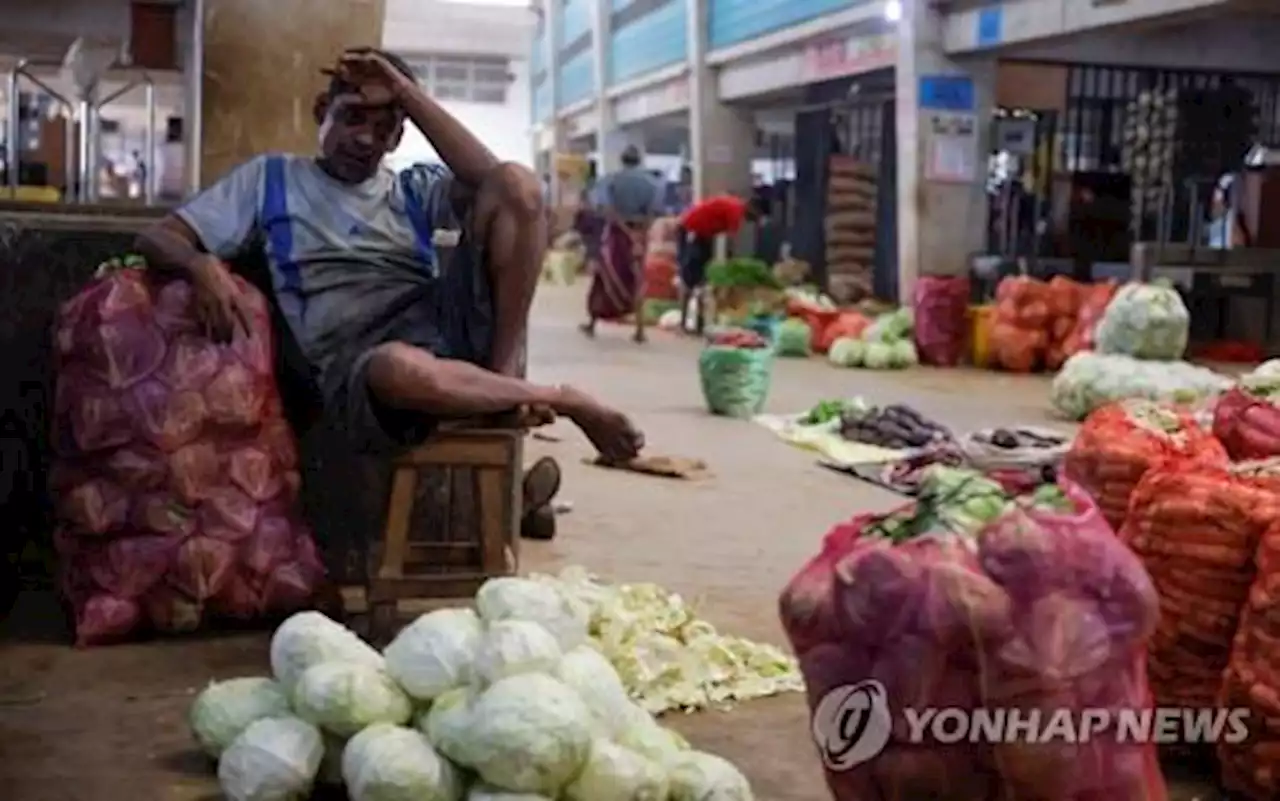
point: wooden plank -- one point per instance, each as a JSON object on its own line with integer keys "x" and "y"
{"x": 459, "y": 451}
{"x": 492, "y": 521}
{"x": 395, "y": 542}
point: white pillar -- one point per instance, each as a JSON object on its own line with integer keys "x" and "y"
{"x": 559, "y": 142}
{"x": 942, "y": 206}
{"x": 601, "y": 40}
{"x": 722, "y": 138}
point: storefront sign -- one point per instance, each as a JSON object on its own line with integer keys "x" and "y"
{"x": 953, "y": 93}
{"x": 990, "y": 26}
{"x": 952, "y": 147}
{"x": 835, "y": 58}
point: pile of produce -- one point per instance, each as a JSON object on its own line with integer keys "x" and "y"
{"x": 510, "y": 700}
{"x": 1014, "y": 448}
{"x": 1094, "y": 299}
{"x": 1247, "y": 417}
{"x": 1119, "y": 443}
{"x": 1251, "y": 681}
{"x": 794, "y": 338}
{"x": 896, "y": 427}
{"x": 1196, "y": 527}
{"x": 668, "y": 658}
{"x": 1091, "y": 380}
{"x": 742, "y": 288}
{"x": 1020, "y": 335}
{"x": 979, "y": 595}
{"x": 845, "y": 325}
{"x": 735, "y": 370}
{"x": 1063, "y": 297}
{"x": 886, "y": 344}
{"x": 940, "y": 307}
{"x": 1146, "y": 321}
{"x": 175, "y": 472}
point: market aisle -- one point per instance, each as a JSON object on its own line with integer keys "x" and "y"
{"x": 109, "y": 725}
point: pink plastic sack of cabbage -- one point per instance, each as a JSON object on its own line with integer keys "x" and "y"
{"x": 940, "y": 305}
{"x": 175, "y": 474}
{"x": 1037, "y": 612}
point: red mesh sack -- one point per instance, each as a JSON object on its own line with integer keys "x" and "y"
{"x": 1251, "y": 767}
{"x": 1020, "y": 334}
{"x": 175, "y": 473}
{"x": 1063, "y": 297}
{"x": 1119, "y": 443}
{"x": 940, "y": 307}
{"x": 660, "y": 277}
{"x": 849, "y": 324}
{"x": 1247, "y": 418}
{"x": 1093, "y": 302}
{"x": 1042, "y": 609}
{"x": 1196, "y": 528}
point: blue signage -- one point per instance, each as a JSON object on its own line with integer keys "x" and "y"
{"x": 954, "y": 93}
{"x": 990, "y": 26}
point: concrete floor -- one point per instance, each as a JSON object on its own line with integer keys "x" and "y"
{"x": 109, "y": 724}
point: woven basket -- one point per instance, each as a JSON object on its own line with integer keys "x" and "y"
{"x": 735, "y": 381}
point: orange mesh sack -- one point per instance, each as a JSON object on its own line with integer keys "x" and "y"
{"x": 1119, "y": 443}
{"x": 1196, "y": 527}
{"x": 1020, "y": 335}
{"x": 1252, "y": 679}
{"x": 1063, "y": 298}
{"x": 1093, "y": 302}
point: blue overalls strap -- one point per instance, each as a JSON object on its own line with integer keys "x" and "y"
{"x": 423, "y": 227}
{"x": 279, "y": 230}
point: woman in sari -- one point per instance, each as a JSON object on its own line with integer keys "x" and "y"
{"x": 629, "y": 202}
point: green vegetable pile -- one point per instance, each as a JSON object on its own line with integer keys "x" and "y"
{"x": 741, "y": 273}
{"x": 827, "y": 412}
{"x": 885, "y": 345}
{"x": 964, "y": 502}
{"x": 518, "y": 698}
{"x": 793, "y": 338}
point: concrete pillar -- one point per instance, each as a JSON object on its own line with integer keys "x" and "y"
{"x": 601, "y": 43}
{"x": 722, "y": 138}
{"x": 942, "y": 208}
{"x": 559, "y": 142}
{"x": 262, "y": 72}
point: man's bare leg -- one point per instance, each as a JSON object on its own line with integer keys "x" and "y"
{"x": 510, "y": 219}
{"x": 405, "y": 377}
{"x": 638, "y": 251}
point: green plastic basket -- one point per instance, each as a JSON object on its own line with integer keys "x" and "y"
{"x": 735, "y": 381}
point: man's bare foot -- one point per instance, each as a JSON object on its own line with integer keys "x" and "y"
{"x": 609, "y": 430}
{"x": 588, "y": 328}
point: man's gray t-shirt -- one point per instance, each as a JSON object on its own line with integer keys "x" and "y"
{"x": 345, "y": 259}
{"x": 631, "y": 192}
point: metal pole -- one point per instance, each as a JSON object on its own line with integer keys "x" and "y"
{"x": 149, "y": 166}
{"x": 195, "y": 98}
{"x": 85, "y": 115}
{"x": 12, "y": 152}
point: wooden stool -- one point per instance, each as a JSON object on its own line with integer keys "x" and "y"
{"x": 413, "y": 564}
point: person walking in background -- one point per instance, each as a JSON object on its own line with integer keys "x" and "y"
{"x": 629, "y": 200}
{"x": 589, "y": 225}
{"x": 699, "y": 227}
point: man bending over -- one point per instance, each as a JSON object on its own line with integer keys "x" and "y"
{"x": 398, "y": 333}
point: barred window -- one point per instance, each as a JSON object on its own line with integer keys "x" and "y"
{"x": 475, "y": 79}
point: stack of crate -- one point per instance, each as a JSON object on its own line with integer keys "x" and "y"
{"x": 850, "y": 228}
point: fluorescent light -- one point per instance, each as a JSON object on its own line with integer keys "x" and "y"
{"x": 893, "y": 10}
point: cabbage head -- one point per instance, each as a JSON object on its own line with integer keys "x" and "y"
{"x": 435, "y": 653}
{"x": 309, "y": 638}
{"x": 1146, "y": 321}
{"x": 891, "y": 327}
{"x": 344, "y": 698}
{"x": 515, "y": 646}
{"x": 275, "y": 759}
{"x": 847, "y": 352}
{"x": 483, "y": 792}
{"x": 511, "y": 598}
{"x": 903, "y": 354}
{"x": 392, "y": 763}
{"x": 698, "y": 776}
{"x": 447, "y": 724}
{"x": 587, "y": 672}
{"x": 646, "y": 737}
{"x": 529, "y": 733}
{"x": 614, "y": 773}
{"x": 793, "y": 338}
{"x": 1089, "y": 380}
{"x": 226, "y": 708}
{"x": 879, "y": 356}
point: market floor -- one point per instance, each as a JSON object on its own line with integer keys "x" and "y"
{"x": 109, "y": 724}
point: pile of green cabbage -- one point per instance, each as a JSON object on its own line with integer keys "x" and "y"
{"x": 667, "y": 657}
{"x": 793, "y": 338}
{"x": 1146, "y": 321}
{"x": 1090, "y": 380}
{"x": 885, "y": 345}
{"x": 509, "y": 701}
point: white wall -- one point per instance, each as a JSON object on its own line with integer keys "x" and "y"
{"x": 504, "y": 128}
